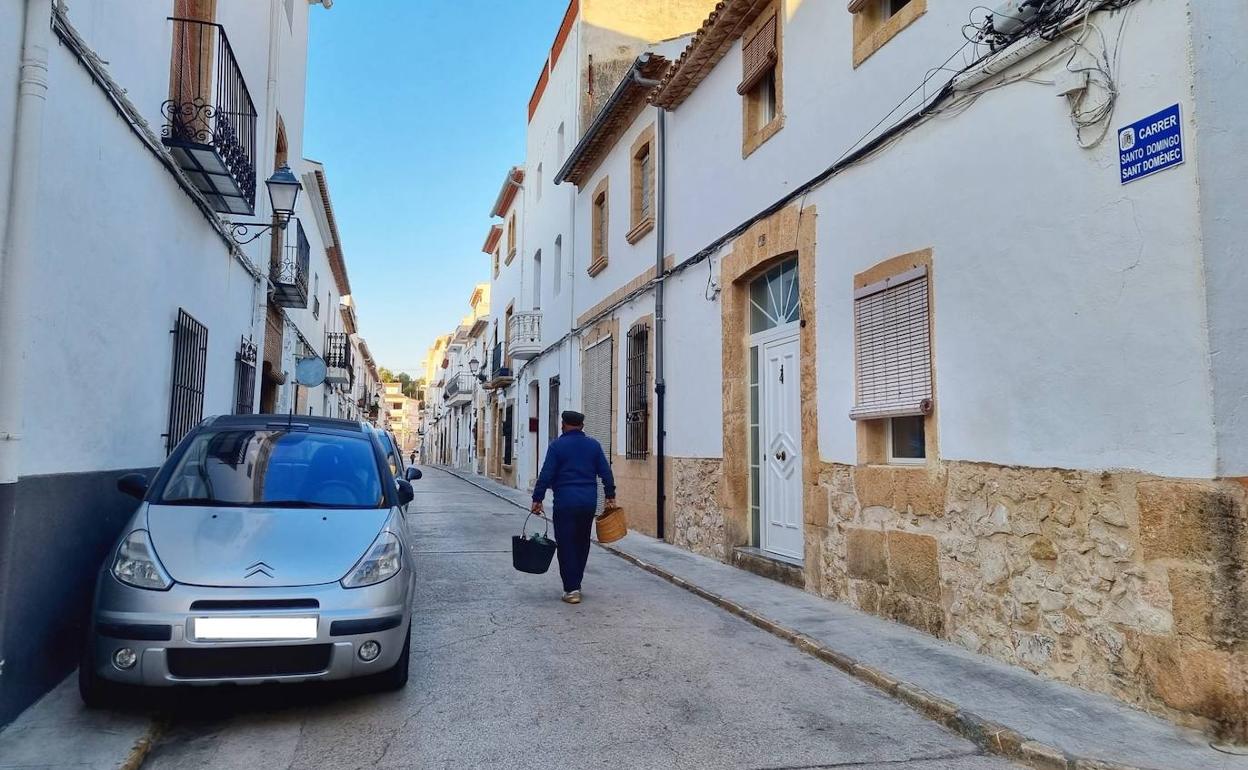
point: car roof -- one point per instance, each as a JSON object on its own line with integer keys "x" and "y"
{"x": 277, "y": 420}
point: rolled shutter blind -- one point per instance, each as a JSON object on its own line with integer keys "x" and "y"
{"x": 857, "y": 6}
{"x": 758, "y": 56}
{"x": 596, "y": 396}
{"x": 892, "y": 348}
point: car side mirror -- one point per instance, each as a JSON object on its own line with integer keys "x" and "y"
{"x": 412, "y": 473}
{"x": 133, "y": 484}
{"x": 405, "y": 492}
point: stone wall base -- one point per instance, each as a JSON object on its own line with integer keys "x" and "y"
{"x": 695, "y": 519}
{"x": 1117, "y": 582}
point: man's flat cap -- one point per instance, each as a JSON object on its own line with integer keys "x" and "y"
{"x": 573, "y": 418}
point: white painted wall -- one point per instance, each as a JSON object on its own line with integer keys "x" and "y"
{"x": 97, "y": 391}
{"x": 1072, "y": 319}
{"x": 98, "y": 342}
{"x": 1219, "y": 49}
{"x": 1069, "y": 317}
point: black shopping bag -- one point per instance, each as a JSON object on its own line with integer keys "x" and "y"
{"x": 532, "y": 553}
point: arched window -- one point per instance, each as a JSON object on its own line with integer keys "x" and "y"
{"x": 774, "y": 298}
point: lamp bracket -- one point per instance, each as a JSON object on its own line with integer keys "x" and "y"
{"x": 239, "y": 231}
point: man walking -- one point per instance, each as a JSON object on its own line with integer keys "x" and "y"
{"x": 574, "y": 463}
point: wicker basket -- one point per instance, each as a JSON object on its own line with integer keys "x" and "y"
{"x": 612, "y": 525}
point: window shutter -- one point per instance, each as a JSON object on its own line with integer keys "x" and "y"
{"x": 596, "y": 397}
{"x": 892, "y": 348}
{"x": 758, "y": 56}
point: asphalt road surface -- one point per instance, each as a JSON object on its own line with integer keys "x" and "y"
{"x": 504, "y": 675}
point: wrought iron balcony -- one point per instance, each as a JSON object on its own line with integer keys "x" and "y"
{"x": 459, "y": 389}
{"x": 500, "y": 374}
{"x": 338, "y": 363}
{"x": 526, "y": 334}
{"x": 210, "y": 118}
{"x": 288, "y": 271}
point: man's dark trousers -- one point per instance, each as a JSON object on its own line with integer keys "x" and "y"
{"x": 573, "y": 525}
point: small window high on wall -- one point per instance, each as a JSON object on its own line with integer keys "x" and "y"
{"x": 760, "y": 86}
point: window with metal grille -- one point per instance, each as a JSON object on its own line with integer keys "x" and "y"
{"x": 637, "y": 418}
{"x": 508, "y": 433}
{"x": 245, "y": 377}
{"x": 190, "y": 364}
{"x": 554, "y": 413}
{"x": 759, "y": 55}
{"x": 892, "y": 347}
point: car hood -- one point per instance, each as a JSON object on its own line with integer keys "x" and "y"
{"x": 260, "y": 547}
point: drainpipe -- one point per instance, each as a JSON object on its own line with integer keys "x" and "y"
{"x": 17, "y": 255}
{"x": 660, "y": 382}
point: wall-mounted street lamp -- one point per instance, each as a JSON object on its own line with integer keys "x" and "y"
{"x": 473, "y": 366}
{"x": 284, "y": 188}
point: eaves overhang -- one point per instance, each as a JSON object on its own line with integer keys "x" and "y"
{"x": 492, "y": 238}
{"x": 723, "y": 27}
{"x": 511, "y": 186}
{"x": 621, "y": 109}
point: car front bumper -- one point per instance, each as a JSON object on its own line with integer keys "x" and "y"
{"x": 159, "y": 627}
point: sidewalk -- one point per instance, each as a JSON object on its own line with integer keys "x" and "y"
{"x": 1006, "y": 709}
{"x": 59, "y": 732}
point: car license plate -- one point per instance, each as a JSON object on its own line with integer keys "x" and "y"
{"x": 253, "y": 629}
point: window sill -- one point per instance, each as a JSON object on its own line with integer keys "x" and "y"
{"x": 760, "y": 137}
{"x": 597, "y": 266}
{"x": 637, "y": 233}
{"x": 876, "y": 39}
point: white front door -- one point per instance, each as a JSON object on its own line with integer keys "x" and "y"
{"x": 780, "y": 447}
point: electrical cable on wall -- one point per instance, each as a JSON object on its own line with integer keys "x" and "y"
{"x": 1045, "y": 21}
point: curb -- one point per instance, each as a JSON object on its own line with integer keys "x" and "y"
{"x": 143, "y": 746}
{"x": 466, "y": 478}
{"x": 988, "y": 735}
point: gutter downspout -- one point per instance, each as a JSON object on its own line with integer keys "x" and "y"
{"x": 660, "y": 382}
{"x": 16, "y": 258}
{"x": 660, "y": 379}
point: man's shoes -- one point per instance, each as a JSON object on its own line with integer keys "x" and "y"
{"x": 572, "y": 597}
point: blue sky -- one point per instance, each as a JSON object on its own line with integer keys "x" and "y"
{"x": 417, "y": 109}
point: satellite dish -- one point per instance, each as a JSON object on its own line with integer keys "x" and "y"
{"x": 310, "y": 372}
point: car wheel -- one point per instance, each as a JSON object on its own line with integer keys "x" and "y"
{"x": 95, "y": 691}
{"x": 396, "y": 677}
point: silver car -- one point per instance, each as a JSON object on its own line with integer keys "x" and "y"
{"x": 266, "y": 549}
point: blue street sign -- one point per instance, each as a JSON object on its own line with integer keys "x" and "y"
{"x": 1151, "y": 145}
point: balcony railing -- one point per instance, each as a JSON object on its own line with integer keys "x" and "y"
{"x": 459, "y": 389}
{"x": 500, "y": 372}
{"x": 340, "y": 368}
{"x": 526, "y": 334}
{"x": 289, "y": 271}
{"x": 211, "y": 119}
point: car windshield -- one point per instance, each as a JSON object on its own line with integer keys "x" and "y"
{"x": 270, "y": 468}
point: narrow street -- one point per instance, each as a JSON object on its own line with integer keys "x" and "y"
{"x": 643, "y": 674}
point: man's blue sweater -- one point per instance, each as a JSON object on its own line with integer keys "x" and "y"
{"x": 573, "y": 464}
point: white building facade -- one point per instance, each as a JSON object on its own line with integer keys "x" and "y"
{"x": 930, "y": 341}
{"x": 131, "y": 308}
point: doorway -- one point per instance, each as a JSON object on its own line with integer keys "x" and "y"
{"x": 775, "y": 412}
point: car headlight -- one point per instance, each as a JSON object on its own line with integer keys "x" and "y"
{"x": 136, "y": 564}
{"x": 382, "y": 561}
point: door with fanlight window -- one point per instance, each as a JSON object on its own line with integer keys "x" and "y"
{"x": 775, "y": 412}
